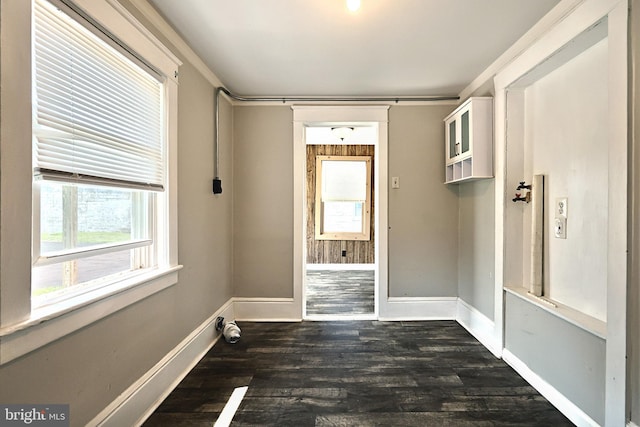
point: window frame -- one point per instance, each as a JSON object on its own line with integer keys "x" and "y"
{"x": 23, "y": 328}
{"x": 320, "y": 233}
{"x": 141, "y": 253}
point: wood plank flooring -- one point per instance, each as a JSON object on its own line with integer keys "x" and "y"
{"x": 356, "y": 373}
{"x": 332, "y": 292}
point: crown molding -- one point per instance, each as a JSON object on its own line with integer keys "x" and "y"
{"x": 550, "y": 20}
{"x": 158, "y": 21}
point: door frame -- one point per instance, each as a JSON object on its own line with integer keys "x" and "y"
{"x": 375, "y": 115}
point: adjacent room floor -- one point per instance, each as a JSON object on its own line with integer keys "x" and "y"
{"x": 356, "y": 373}
{"x": 340, "y": 292}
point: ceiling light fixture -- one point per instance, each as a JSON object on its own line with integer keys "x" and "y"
{"x": 342, "y": 132}
{"x": 353, "y": 5}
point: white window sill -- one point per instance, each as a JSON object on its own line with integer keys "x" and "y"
{"x": 50, "y": 323}
{"x": 577, "y": 318}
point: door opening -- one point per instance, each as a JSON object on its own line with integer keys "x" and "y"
{"x": 340, "y": 234}
{"x": 331, "y": 267}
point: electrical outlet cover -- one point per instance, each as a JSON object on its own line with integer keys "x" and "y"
{"x": 560, "y": 228}
{"x": 562, "y": 208}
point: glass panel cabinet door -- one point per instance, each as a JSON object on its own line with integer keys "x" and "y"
{"x": 452, "y": 139}
{"x": 464, "y": 122}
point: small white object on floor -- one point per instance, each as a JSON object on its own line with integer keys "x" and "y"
{"x": 226, "y": 416}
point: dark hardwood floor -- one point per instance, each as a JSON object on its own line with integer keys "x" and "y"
{"x": 356, "y": 373}
{"x": 333, "y": 292}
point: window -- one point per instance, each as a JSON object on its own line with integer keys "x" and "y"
{"x": 343, "y": 198}
{"x": 99, "y": 158}
{"x": 88, "y": 236}
{"x": 89, "y": 142}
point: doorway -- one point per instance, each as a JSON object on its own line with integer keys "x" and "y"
{"x": 340, "y": 219}
{"x": 375, "y": 118}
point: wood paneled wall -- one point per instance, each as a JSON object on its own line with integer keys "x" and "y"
{"x": 330, "y": 251}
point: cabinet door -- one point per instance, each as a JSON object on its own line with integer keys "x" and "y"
{"x": 464, "y": 130}
{"x": 452, "y": 139}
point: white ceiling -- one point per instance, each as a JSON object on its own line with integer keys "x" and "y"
{"x": 319, "y": 48}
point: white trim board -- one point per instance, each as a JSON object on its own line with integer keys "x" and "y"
{"x": 546, "y": 23}
{"x": 139, "y": 401}
{"x": 557, "y": 399}
{"x": 25, "y": 337}
{"x": 413, "y": 308}
{"x": 267, "y": 309}
{"x": 176, "y": 40}
{"x": 398, "y": 309}
{"x": 480, "y": 326}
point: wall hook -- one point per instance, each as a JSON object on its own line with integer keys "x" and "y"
{"x": 527, "y": 197}
{"x": 523, "y": 186}
{"x": 519, "y": 198}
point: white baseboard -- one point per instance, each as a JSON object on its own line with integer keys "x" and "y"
{"x": 408, "y": 308}
{"x": 557, "y": 399}
{"x": 399, "y": 308}
{"x": 139, "y": 401}
{"x": 267, "y": 309}
{"x": 632, "y": 424}
{"x": 478, "y": 325}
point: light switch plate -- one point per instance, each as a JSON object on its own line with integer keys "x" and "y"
{"x": 395, "y": 182}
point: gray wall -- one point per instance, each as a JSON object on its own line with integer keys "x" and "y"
{"x": 423, "y": 212}
{"x": 263, "y": 201}
{"x": 91, "y": 367}
{"x": 476, "y": 237}
{"x": 476, "y": 254}
{"x": 567, "y": 357}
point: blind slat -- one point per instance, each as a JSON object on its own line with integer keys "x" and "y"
{"x": 54, "y": 84}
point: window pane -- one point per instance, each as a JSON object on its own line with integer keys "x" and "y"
{"x": 342, "y": 217}
{"x": 74, "y": 216}
{"x": 50, "y": 281}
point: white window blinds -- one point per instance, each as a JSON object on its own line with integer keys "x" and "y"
{"x": 344, "y": 180}
{"x": 98, "y": 116}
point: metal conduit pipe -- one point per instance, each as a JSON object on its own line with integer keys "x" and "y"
{"x": 217, "y": 183}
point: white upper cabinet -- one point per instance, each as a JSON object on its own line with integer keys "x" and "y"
{"x": 469, "y": 141}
